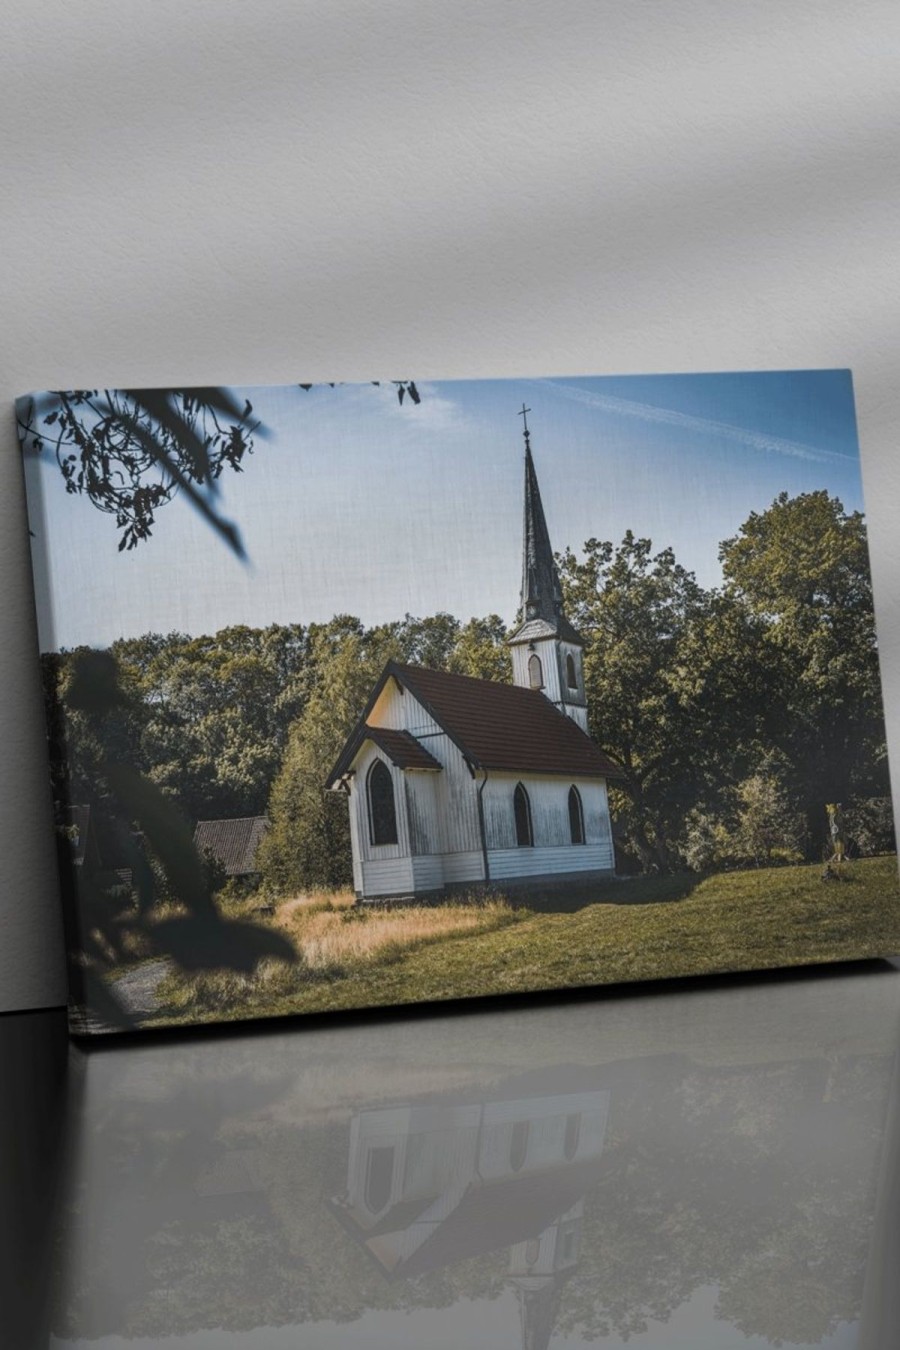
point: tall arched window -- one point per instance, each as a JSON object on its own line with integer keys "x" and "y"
{"x": 572, "y": 1136}
{"x": 382, "y": 810}
{"x": 576, "y": 816}
{"x": 571, "y": 673}
{"x": 379, "y": 1178}
{"x": 535, "y": 672}
{"x": 518, "y": 1144}
{"x": 522, "y": 809}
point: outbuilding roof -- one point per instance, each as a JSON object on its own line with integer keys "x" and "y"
{"x": 496, "y": 726}
{"x": 233, "y": 842}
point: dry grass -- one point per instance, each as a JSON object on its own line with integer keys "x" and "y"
{"x": 335, "y": 939}
{"x": 340, "y": 936}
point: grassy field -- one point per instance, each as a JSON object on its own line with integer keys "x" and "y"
{"x": 644, "y": 928}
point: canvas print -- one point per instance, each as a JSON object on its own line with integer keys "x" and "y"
{"x": 396, "y": 692}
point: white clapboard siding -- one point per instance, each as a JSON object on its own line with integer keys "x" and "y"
{"x": 509, "y": 863}
{"x": 393, "y": 876}
{"x": 355, "y": 838}
{"x": 457, "y": 800}
{"x": 426, "y": 827}
{"x": 548, "y": 796}
{"x": 462, "y": 867}
{"x": 428, "y": 873}
{"x": 401, "y": 712}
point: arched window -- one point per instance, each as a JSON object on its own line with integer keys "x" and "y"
{"x": 576, "y": 816}
{"x": 522, "y": 809}
{"x": 382, "y": 810}
{"x": 379, "y": 1178}
{"x": 571, "y": 673}
{"x": 535, "y": 672}
{"x": 573, "y": 1134}
{"x": 518, "y": 1144}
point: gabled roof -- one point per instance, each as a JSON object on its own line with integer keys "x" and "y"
{"x": 403, "y": 749}
{"x": 496, "y": 726}
{"x": 233, "y": 842}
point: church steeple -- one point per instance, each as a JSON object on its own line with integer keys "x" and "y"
{"x": 541, "y": 592}
{"x": 546, "y": 649}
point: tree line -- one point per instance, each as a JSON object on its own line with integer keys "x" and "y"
{"x": 735, "y": 712}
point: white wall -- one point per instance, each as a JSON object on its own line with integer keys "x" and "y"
{"x": 223, "y": 192}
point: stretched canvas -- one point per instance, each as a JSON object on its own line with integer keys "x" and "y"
{"x": 396, "y": 692}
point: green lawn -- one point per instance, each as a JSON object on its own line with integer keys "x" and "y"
{"x": 645, "y": 928}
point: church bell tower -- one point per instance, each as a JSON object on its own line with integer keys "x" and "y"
{"x": 547, "y": 652}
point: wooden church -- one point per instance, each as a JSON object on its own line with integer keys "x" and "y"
{"x": 452, "y": 781}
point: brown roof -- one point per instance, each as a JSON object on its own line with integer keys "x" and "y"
{"x": 496, "y": 726}
{"x": 503, "y": 726}
{"x": 233, "y": 842}
{"x": 402, "y": 747}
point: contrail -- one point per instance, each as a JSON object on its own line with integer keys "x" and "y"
{"x": 646, "y": 412}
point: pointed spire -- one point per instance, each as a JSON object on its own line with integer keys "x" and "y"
{"x": 541, "y": 591}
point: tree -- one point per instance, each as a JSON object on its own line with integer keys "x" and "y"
{"x": 635, "y": 610}
{"x": 481, "y": 650}
{"x": 130, "y": 451}
{"x": 802, "y": 567}
{"x": 309, "y": 842}
{"x": 217, "y": 710}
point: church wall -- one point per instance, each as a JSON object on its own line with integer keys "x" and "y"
{"x": 576, "y": 696}
{"x": 401, "y": 711}
{"x": 543, "y": 1144}
{"x": 549, "y": 864}
{"x": 549, "y": 799}
{"x": 545, "y": 649}
{"x": 552, "y": 851}
{"x": 552, "y": 653}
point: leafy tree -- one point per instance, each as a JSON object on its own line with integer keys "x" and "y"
{"x": 309, "y": 842}
{"x": 636, "y": 610}
{"x": 768, "y": 823}
{"x": 481, "y": 650}
{"x": 130, "y": 451}
{"x": 802, "y": 567}
{"x": 217, "y": 710}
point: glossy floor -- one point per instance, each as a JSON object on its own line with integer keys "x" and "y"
{"x": 704, "y": 1164}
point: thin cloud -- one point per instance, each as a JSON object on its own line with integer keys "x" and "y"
{"x": 647, "y": 412}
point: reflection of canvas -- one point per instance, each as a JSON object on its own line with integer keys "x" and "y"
{"x": 345, "y": 711}
{"x": 520, "y": 1188}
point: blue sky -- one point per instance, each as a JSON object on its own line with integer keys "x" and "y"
{"x": 354, "y": 504}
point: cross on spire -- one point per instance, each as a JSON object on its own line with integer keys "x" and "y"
{"x": 524, "y": 418}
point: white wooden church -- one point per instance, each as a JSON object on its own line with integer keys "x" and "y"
{"x": 452, "y": 780}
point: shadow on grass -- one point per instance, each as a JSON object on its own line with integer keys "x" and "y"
{"x": 569, "y": 898}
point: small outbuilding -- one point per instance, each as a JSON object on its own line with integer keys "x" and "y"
{"x": 233, "y": 843}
